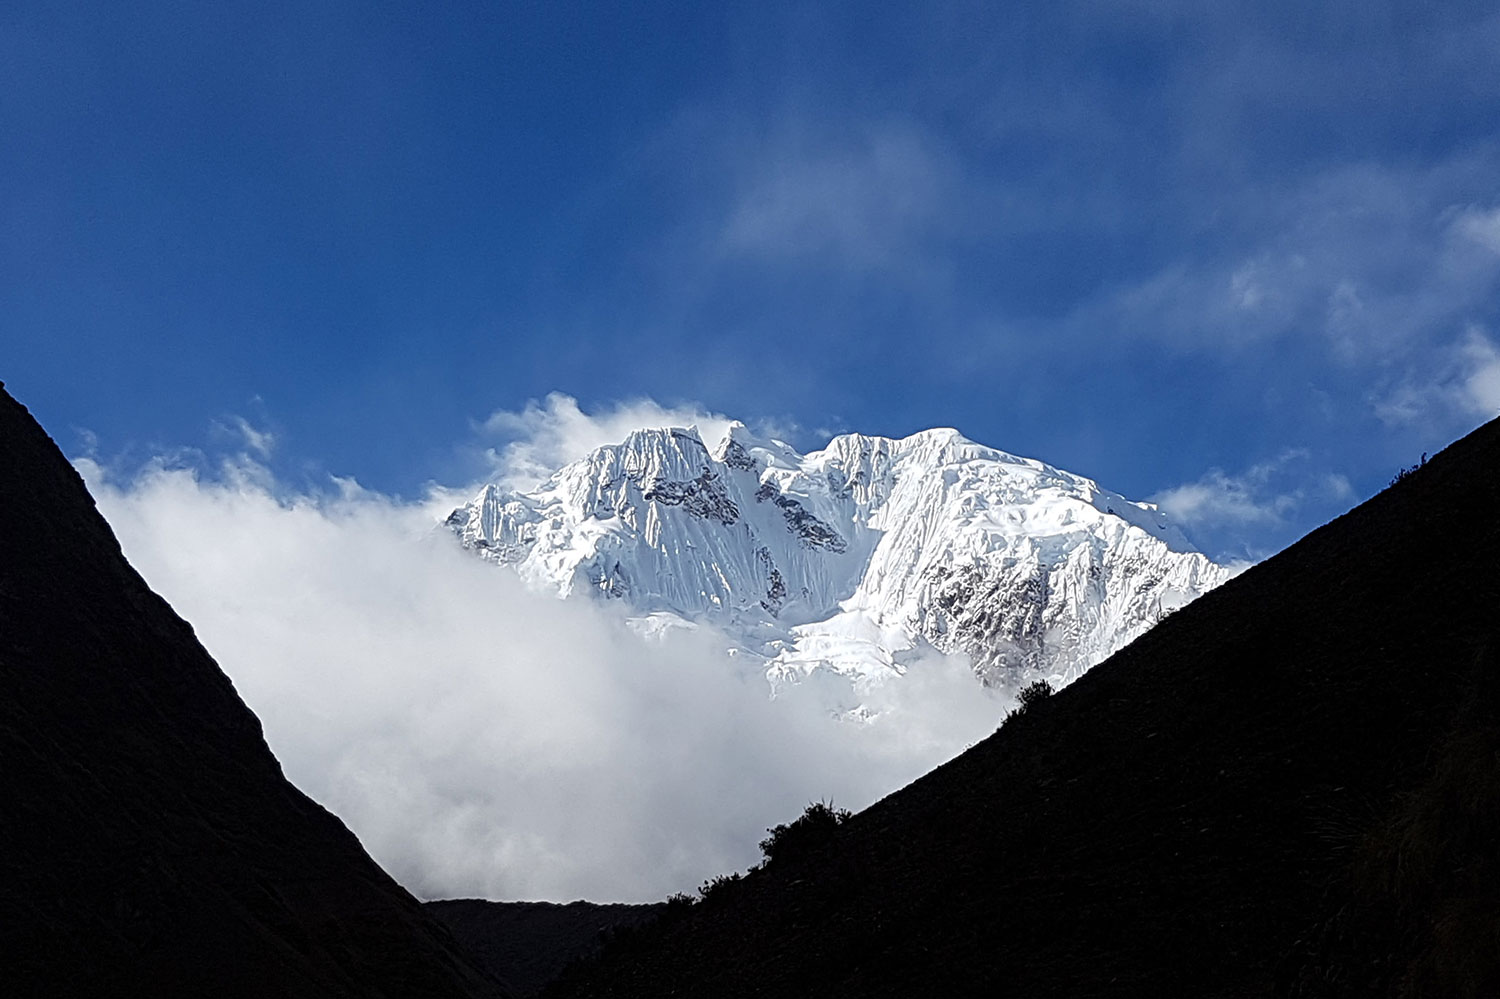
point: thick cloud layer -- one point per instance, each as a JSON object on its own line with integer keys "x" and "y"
{"x": 486, "y": 741}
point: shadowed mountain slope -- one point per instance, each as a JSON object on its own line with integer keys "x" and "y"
{"x": 149, "y": 843}
{"x": 529, "y": 943}
{"x": 1291, "y": 786}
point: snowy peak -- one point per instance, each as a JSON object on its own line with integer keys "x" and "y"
{"x": 853, "y": 557}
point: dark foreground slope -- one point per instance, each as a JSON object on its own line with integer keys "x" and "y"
{"x": 149, "y": 843}
{"x": 529, "y": 943}
{"x": 1292, "y": 786}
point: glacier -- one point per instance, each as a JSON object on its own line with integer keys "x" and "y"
{"x": 857, "y": 559}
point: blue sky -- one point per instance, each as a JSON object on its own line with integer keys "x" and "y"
{"x": 1241, "y": 257}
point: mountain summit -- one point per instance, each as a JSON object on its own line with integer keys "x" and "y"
{"x": 856, "y": 558}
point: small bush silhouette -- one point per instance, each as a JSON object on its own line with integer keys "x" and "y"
{"x": 1033, "y": 692}
{"x": 677, "y": 906}
{"x": 1402, "y": 474}
{"x": 1030, "y": 694}
{"x": 808, "y": 831}
{"x": 717, "y": 888}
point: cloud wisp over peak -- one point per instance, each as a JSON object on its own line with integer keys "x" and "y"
{"x": 542, "y": 436}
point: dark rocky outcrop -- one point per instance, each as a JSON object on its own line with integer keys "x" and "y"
{"x": 149, "y": 844}
{"x": 1291, "y": 786}
{"x": 807, "y": 528}
{"x": 702, "y": 497}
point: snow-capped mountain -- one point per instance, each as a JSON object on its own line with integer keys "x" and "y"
{"x": 854, "y": 558}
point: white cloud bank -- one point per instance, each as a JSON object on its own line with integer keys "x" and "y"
{"x": 486, "y": 741}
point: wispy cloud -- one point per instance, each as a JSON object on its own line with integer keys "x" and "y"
{"x": 542, "y": 436}
{"x": 1371, "y": 260}
{"x": 865, "y": 203}
{"x": 1264, "y": 495}
{"x": 259, "y": 442}
{"x": 522, "y": 447}
{"x": 1458, "y": 383}
{"x": 1482, "y": 225}
{"x": 1481, "y": 380}
{"x": 1220, "y": 498}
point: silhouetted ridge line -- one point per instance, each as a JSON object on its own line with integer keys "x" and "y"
{"x": 150, "y": 844}
{"x": 1288, "y": 787}
{"x": 529, "y": 943}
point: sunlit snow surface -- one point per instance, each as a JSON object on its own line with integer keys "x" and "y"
{"x": 851, "y": 559}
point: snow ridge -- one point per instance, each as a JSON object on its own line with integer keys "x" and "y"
{"x": 855, "y": 558}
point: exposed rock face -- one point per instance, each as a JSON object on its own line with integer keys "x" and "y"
{"x": 149, "y": 844}
{"x": 855, "y": 557}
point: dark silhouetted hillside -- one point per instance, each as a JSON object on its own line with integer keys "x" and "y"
{"x": 1291, "y": 786}
{"x": 529, "y": 943}
{"x": 149, "y": 844}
